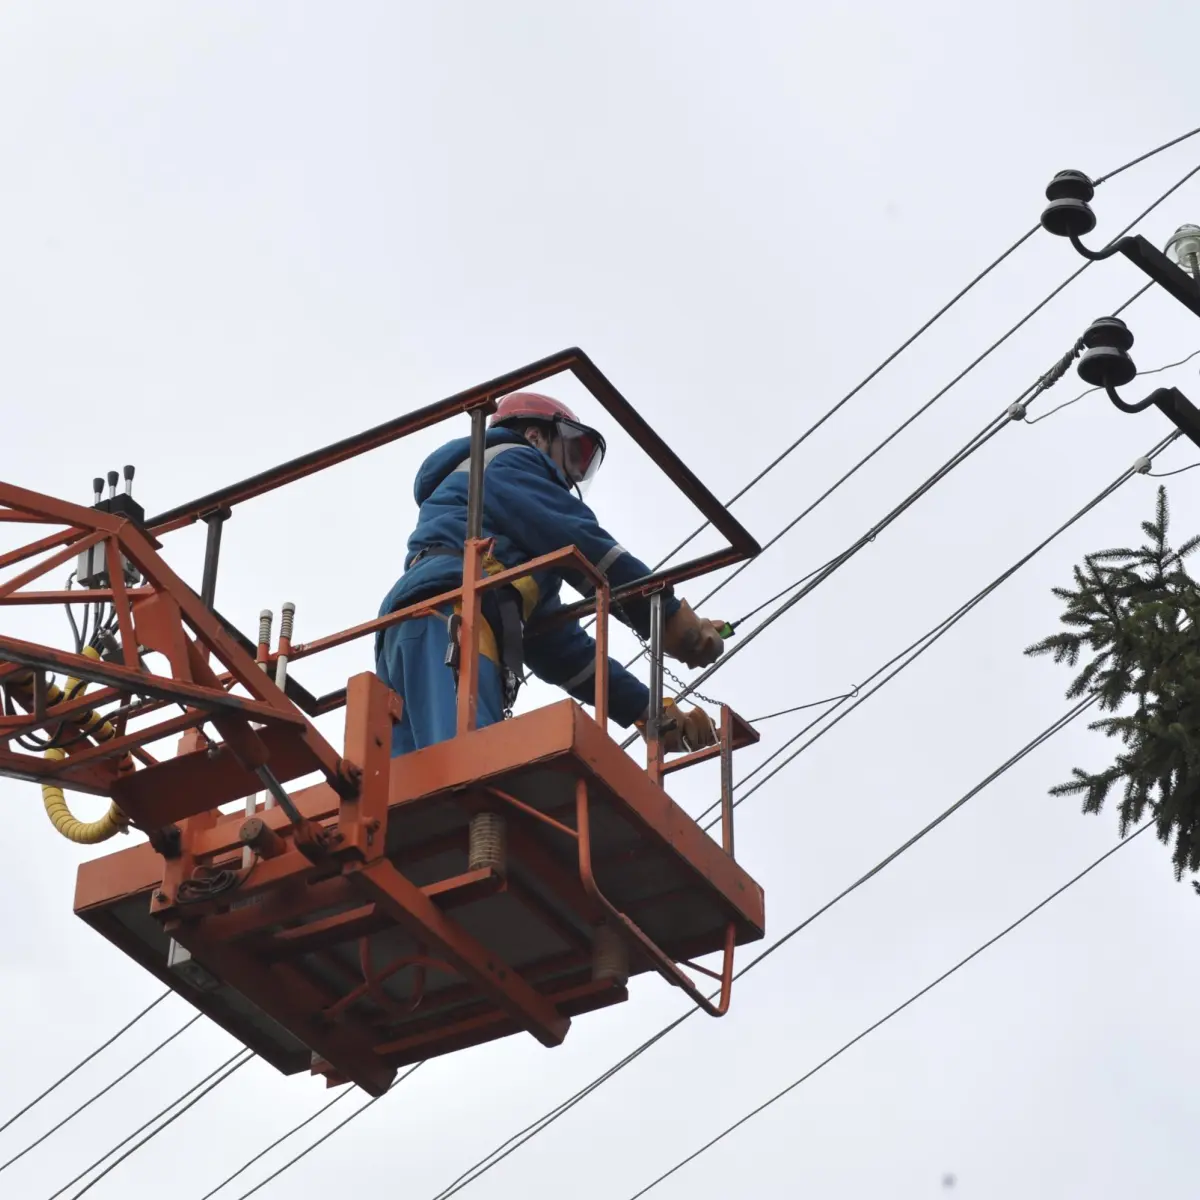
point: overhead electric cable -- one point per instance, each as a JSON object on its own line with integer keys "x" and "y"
{"x": 915, "y": 649}
{"x": 267, "y": 1149}
{"x": 329, "y": 1133}
{"x": 787, "y": 712}
{"x": 1141, "y": 158}
{"x": 858, "y": 387}
{"x": 85, "y": 1060}
{"x": 1047, "y": 381}
{"x": 517, "y": 1140}
{"x": 248, "y": 1056}
{"x": 895, "y": 1011}
{"x": 1041, "y": 304}
{"x": 103, "y": 1091}
{"x": 144, "y": 1126}
{"x": 984, "y": 436}
{"x": 1013, "y": 413}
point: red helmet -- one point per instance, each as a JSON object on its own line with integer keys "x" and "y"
{"x": 583, "y": 448}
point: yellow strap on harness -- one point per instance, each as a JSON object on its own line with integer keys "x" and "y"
{"x": 527, "y": 589}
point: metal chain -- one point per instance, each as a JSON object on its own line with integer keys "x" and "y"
{"x": 681, "y": 684}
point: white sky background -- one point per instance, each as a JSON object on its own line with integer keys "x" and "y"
{"x": 232, "y": 236}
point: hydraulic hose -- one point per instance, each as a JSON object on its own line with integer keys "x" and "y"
{"x": 83, "y": 833}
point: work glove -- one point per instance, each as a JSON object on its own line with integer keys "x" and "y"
{"x": 692, "y": 730}
{"x": 693, "y": 640}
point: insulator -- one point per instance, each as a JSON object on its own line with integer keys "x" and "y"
{"x": 486, "y": 847}
{"x": 264, "y": 626}
{"x": 610, "y": 955}
{"x": 1107, "y": 363}
{"x": 1142, "y": 465}
{"x": 1108, "y": 331}
{"x": 1184, "y": 244}
{"x": 1068, "y": 213}
{"x": 287, "y": 617}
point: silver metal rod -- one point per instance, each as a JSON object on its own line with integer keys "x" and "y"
{"x": 654, "y": 721}
{"x": 266, "y": 619}
{"x": 475, "y": 478}
{"x": 727, "y": 780}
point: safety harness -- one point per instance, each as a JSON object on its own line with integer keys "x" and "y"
{"x": 503, "y": 609}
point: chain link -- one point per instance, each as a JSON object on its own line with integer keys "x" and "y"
{"x": 667, "y": 672}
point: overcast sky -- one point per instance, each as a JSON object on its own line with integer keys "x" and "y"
{"x": 233, "y": 232}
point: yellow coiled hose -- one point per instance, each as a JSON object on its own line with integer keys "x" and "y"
{"x": 84, "y": 833}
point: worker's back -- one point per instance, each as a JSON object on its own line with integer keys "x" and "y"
{"x": 528, "y": 510}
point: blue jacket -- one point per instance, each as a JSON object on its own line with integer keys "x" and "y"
{"x": 530, "y": 510}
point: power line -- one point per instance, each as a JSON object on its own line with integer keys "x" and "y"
{"x": 1016, "y": 411}
{"x": 1178, "y": 471}
{"x": 984, "y": 436}
{"x": 517, "y": 1140}
{"x": 915, "y": 649}
{"x": 145, "y": 1125}
{"x": 786, "y": 712}
{"x": 248, "y": 1055}
{"x": 858, "y": 387}
{"x": 894, "y": 1012}
{"x": 327, "y": 1135}
{"x": 1046, "y": 382}
{"x": 1133, "y": 162}
{"x": 862, "y": 462}
{"x": 267, "y": 1149}
{"x": 104, "y": 1090}
{"x": 85, "y": 1060}
{"x": 958, "y": 378}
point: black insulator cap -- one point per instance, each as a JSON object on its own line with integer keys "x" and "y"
{"x": 1068, "y": 213}
{"x": 1070, "y": 185}
{"x": 128, "y": 472}
{"x": 97, "y": 485}
{"x": 1108, "y": 331}
{"x": 112, "y": 478}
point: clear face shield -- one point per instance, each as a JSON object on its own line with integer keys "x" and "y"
{"x": 582, "y": 452}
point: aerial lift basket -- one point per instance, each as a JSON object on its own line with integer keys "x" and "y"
{"x": 505, "y": 880}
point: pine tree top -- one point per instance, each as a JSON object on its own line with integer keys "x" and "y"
{"x": 1133, "y": 621}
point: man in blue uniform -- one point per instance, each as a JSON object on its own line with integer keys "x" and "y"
{"x": 539, "y": 460}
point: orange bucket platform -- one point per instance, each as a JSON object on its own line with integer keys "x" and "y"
{"x": 585, "y": 872}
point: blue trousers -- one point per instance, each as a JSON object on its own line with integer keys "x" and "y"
{"x": 412, "y": 662}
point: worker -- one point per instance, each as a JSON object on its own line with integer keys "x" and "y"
{"x": 538, "y": 463}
